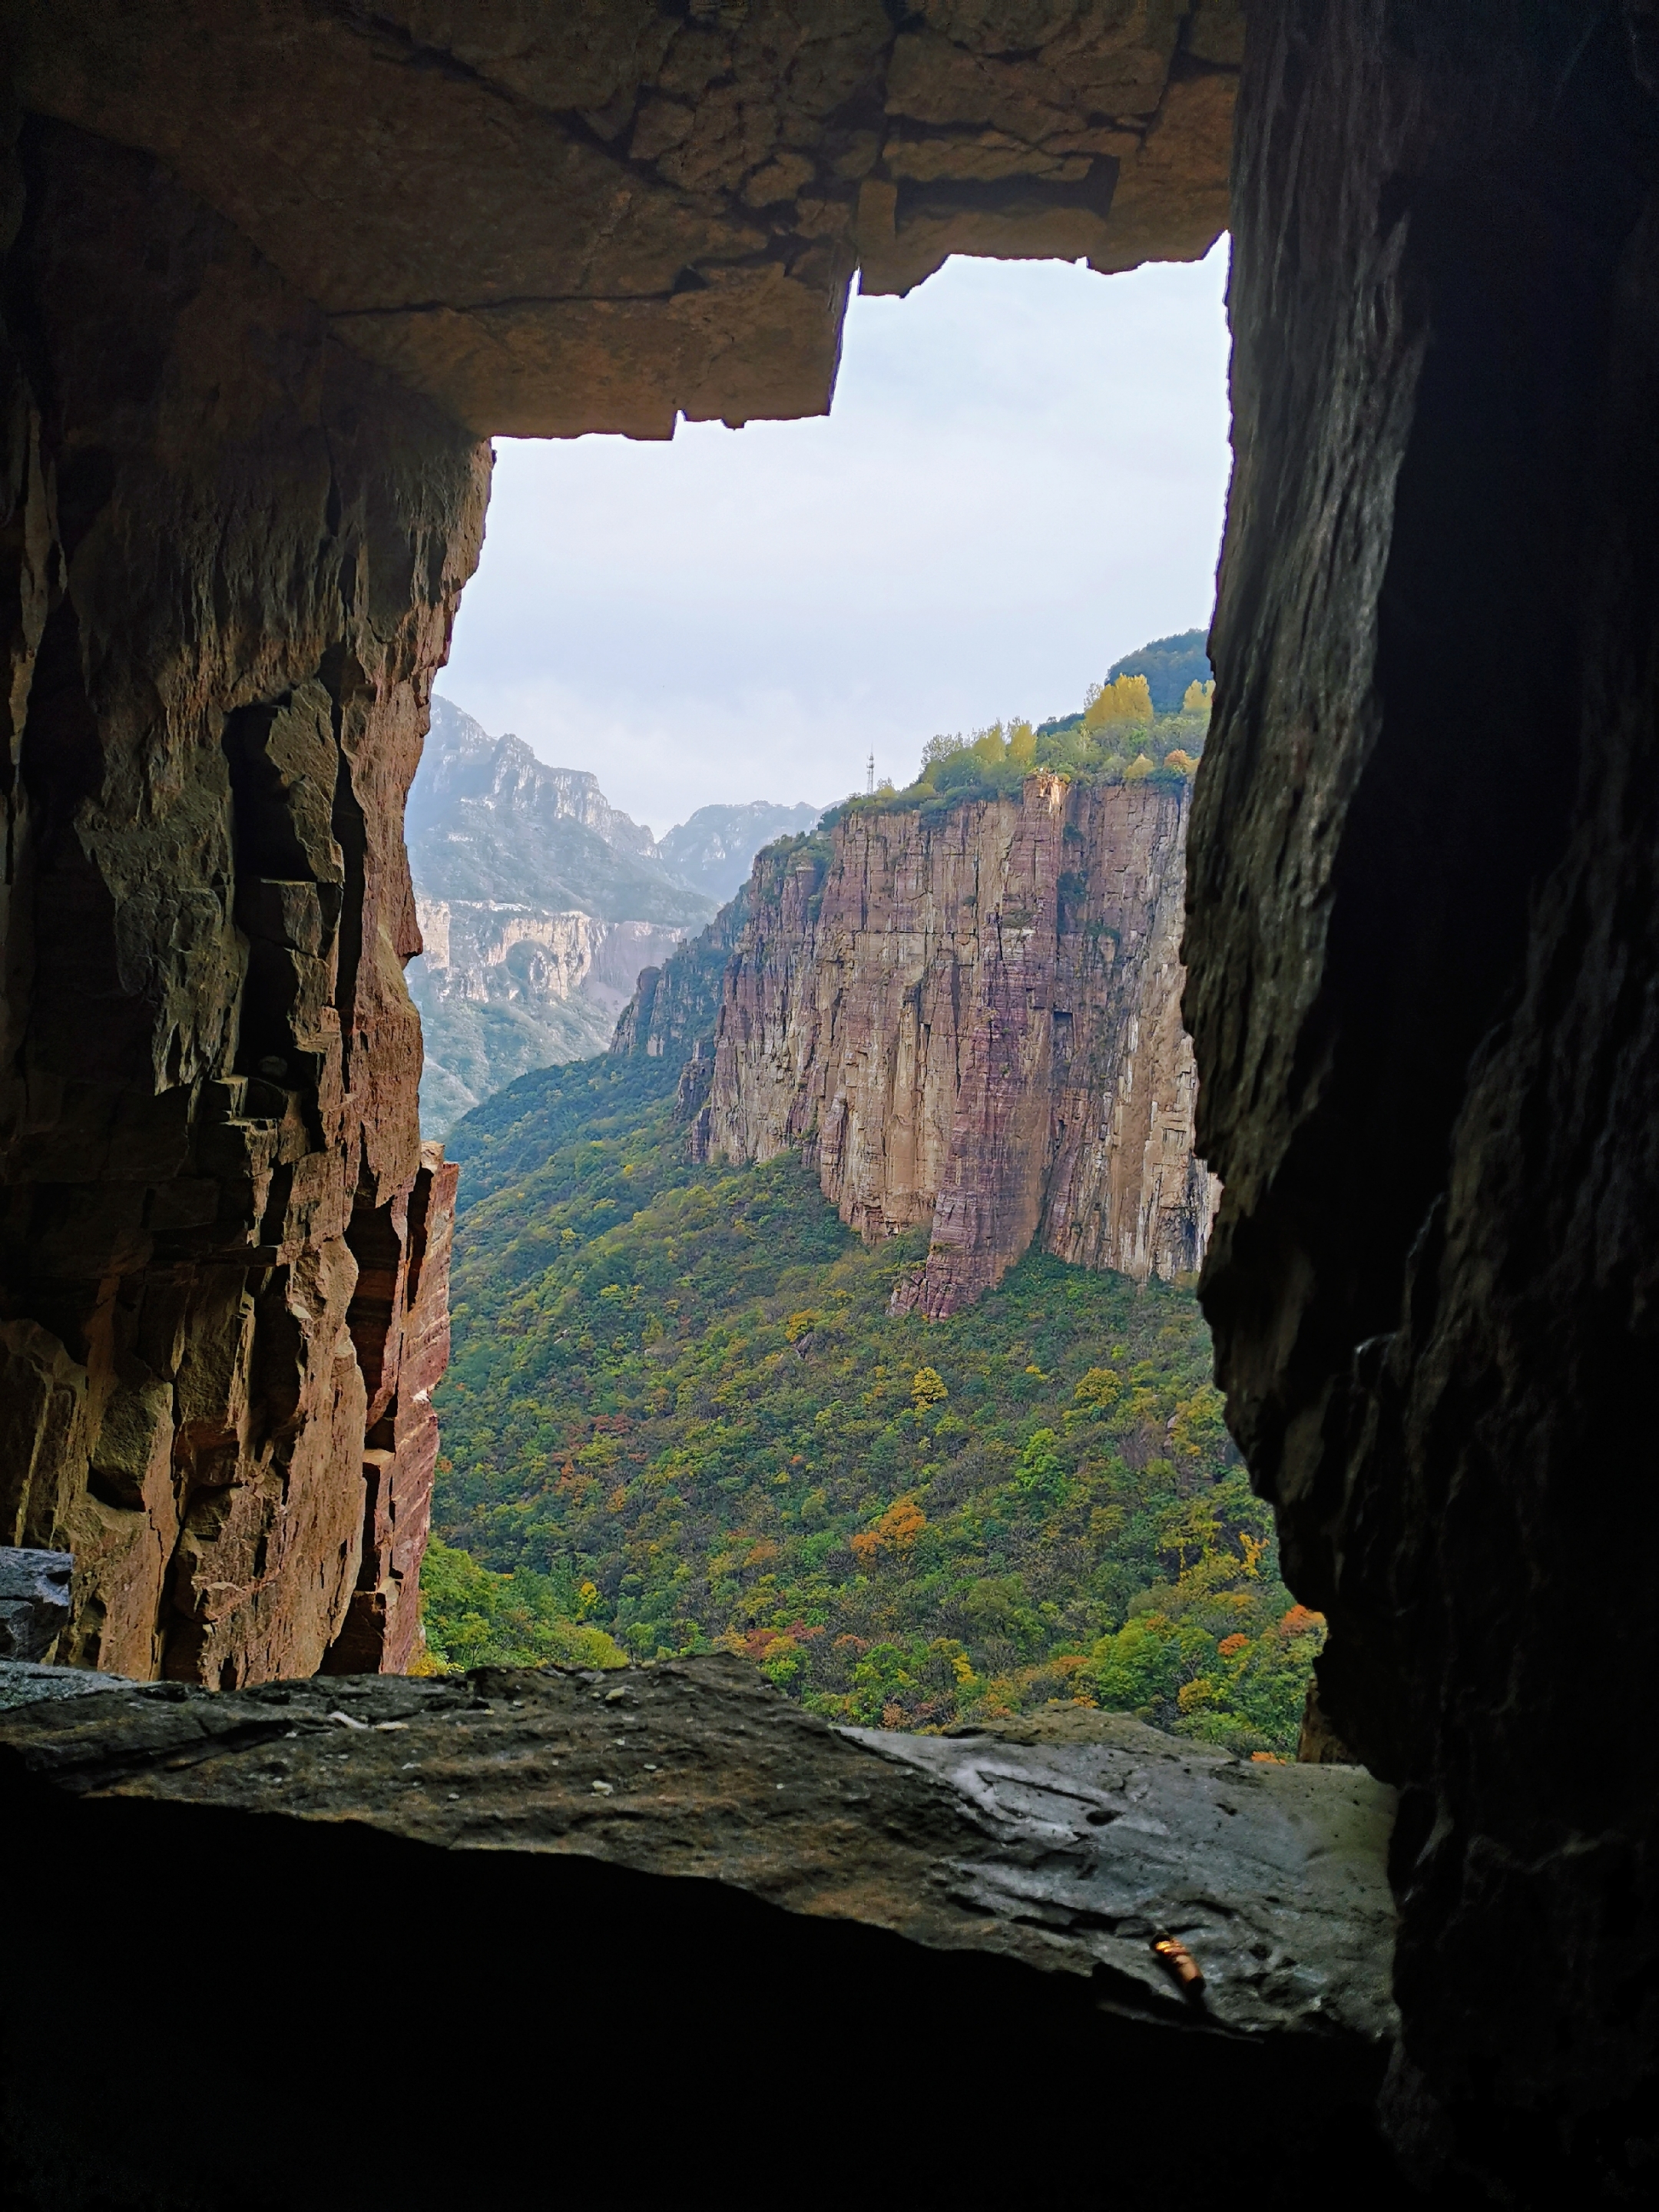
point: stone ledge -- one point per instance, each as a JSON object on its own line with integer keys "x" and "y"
{"x": 1070, "y": 1844}
{"x": 1011, "y": 1884}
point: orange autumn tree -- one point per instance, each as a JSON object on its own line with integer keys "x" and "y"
{"x": 896, "y": 1531}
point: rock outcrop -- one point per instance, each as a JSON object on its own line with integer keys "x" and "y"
{"x": 686, "y": 1828}
{"x": 35, "y": 1601}
{"x": 970, "y": 1014}
{"x": 232, "y": 555}
{"x": 586, "y": 218}
{"x": 469, "y": 945}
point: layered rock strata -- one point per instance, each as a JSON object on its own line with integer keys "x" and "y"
{"x": 492, "y": 953}
{"x": 233, "y": 555}
{"x": 687, "y": 1828}
{"x": 970, "y": 1015}
{"x": 586, "y": 218}
{"x": 1424, "y": 949}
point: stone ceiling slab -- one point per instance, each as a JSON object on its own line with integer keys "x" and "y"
{"x": 603, "y": 216}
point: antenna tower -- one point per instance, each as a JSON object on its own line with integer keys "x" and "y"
{"x": 870, "y": 776}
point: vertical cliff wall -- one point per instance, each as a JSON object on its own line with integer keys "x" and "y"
{"x": 971, "y": 1015}
{"x": 231, "y": 558}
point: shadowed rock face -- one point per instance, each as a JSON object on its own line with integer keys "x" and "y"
{"x": 973, "y": 1017}
{"x": 233, "y": 555}
{"x": 696, "y": 1842}
{"x": 586, "y": 216}
{"x": 1423, "y": 962}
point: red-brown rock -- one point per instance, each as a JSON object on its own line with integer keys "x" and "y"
{"x": 973, "y": 1015}
{"x": 233, "y": 557}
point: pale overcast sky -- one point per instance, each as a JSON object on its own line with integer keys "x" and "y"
{"x": 1022, "y": 478}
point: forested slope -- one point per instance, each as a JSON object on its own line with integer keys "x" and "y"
{"x": 686, "y": 1408}
{"x": 679, "y": 1410}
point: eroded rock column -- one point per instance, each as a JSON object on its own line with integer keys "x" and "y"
{"x": 232, "y": 555}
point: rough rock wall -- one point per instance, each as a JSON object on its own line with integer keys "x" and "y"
{"x": 1423, "y": 969}
{"x": 586, "y": 217}
{"x": 399, "y": 1323}
{"x": 675, "y": 1008}
{"x": 231, "y": 558}
{"x": 973, "y": 1015}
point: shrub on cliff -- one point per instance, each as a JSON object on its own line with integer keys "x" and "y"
{"x": 1125, "y": 699}
{"x": 1106, "y": 743}
{"x": 471, "y": 1617}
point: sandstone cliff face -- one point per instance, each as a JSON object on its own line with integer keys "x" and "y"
{"x": 470, "y": 946}
{"x": 232, "y": 557}
{"x": 973, "y": 1017}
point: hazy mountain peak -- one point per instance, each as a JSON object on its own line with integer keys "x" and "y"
{"x": 462, "y": 760}
{"x": 716, "y": 848}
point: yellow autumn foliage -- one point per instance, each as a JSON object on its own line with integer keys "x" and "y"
{"x": 1128, "y": 699}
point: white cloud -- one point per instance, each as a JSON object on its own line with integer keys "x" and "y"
{"x": 1023, "y": 478}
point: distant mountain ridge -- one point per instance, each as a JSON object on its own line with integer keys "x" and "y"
{"x": 540, "y": 902}
{"x": 488, "y": 820}
{"x": 716, "y": 848}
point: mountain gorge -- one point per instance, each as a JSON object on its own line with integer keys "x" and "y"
{"x": 539, "y": 903}
{"x": 840, "y": 1313}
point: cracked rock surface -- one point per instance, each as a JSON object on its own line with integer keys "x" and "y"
{"x": 1069, "y": 1845}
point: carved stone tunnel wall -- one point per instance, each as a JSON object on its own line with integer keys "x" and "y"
{"x": 1424, "y": 968}
{"x": 554, "y": 218}
{"x": 232, "y": 555}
